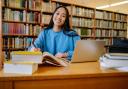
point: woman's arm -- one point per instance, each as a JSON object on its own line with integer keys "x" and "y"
{"x": 70, "y": 52}
{"x": 38, "y": 44}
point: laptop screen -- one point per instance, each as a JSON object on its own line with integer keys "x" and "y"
{"x": 88, "y": 50}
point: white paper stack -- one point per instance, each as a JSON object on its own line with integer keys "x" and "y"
{"x": 114, "y": 60}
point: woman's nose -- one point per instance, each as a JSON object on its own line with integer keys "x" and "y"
{"x": 59, "y": 16}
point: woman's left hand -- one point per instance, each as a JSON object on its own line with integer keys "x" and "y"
{"x": 61, "y": 55}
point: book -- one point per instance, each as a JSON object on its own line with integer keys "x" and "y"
{"x": 122, "y": 56}
{"x": 20, "y": 68}
{"x": 118, "y": 54}
{"x": 26, "y": 56}
{"x": 38, "y": 57}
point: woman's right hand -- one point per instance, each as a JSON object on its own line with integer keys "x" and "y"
{"x": 36, "y": 49}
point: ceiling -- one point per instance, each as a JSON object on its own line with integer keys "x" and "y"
{"x": 95, "y": 3}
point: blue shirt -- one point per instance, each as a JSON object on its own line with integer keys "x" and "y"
{"x": 55, "y": 42}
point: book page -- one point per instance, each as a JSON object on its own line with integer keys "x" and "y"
{"x": 58, "y": 61}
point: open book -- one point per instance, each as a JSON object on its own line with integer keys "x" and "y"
{"x": 37, "y": 57}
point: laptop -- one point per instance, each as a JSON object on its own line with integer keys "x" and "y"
{"x": 88, "y": 50}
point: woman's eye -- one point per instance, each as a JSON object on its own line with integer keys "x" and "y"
{"x": 63, "y": 16}
{"x": 57, "y": 13}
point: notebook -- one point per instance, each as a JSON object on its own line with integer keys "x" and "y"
{"x": 88, "y": 50}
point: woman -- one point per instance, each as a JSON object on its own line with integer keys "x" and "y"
{"x": 57, "y": 39}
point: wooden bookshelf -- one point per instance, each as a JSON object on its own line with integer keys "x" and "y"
{"x": 21, "y": 23}
{"x": 114, "y": 24}
{"x": 1, "y": 32}
{"x": 83, "y": 21}
{"x": 34, "y": 15}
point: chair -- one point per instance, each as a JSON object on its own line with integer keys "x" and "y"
{"x": 119, "y": 46}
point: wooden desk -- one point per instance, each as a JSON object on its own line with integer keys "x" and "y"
{"x": 76, "y": 76}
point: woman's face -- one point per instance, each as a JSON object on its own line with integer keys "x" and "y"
{"x": 59, "y": 17}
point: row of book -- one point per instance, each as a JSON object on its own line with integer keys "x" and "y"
{"x": 119, "y": 33}
{"x": 110, "y": 24}
{"x": 46, "y": 19}
{"x": 38, "y": 5}
{"x": 30, "y": 4}
{"x": 110, "y": 33}
{"x": 48, "y": 7}
{"x": 34, "y": 4}
{"x": 107, "y": 40}
{"x": 36, "y": 18}
{"x": 82, "y": 22}
{"x": 103, "y": 15}
{"x": 79, "y": 11}
{"x": 33, "y": 17}
{"x": 19, "y": 28}
{"x": 14, "y": 3}
{"x": 29, "y": 29}
{"x": 119, "y": 25}
{"x": 100, "y": 32}
{"x": 16, "y": 15}
{"x": 103, "y": 24}
{"x": 16, "y": 42}
{"x": 13, "y": 15}
{"x": 120, "y": 17}
{"x": 109, "y": 16}
{"x": 103, "y": 33}
{"x": 84, "y": 31}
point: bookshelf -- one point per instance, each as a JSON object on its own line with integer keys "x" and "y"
{"x": 22, "y": 21}
{"x": 83, "y": 21}
{"x": 1, "y": 32}
{"x": 110, "y": 25}
{"x": 103, "y": 25}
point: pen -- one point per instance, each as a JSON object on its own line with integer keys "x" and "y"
{"x": 32, "y": 43}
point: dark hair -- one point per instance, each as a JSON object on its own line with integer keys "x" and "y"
{"x": 66, "y": 26}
